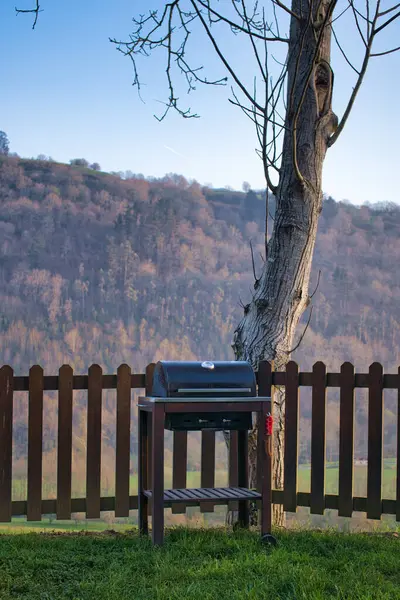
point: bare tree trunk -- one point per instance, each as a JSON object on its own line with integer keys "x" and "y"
{"x": 281, "y": 294}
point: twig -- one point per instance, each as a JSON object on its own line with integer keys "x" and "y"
{"x": 355, "y": 13}
{"x": 340, "y": 14}
{"x": 316, "y": 287}
{"x": 223, "y": 59}
{"x": 36, "y": 11}
{"x": 359, "y": 13}
{"x": 385, "y": 52}
{"x": 253, "y": 44}
{"x": 234, "y": 25}
{"x": 389, "y": 10}
{"x": 266, "y": 223}
{"x": 253, "y": 264}
{"x": 286, "y": 9}
{"x": 373, "y": 32}
{"x": 344, "y": 53}
{"x": 302, "y": 335}
{"x": 387, "y": 23}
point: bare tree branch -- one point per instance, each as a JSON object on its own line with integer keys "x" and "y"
{"x": 385, "y": 52}
{"x": 368, "y": 21}
{"x": 286, "y": 9}
{"x": 341, "y": 14}
{"x": 173, "y": 23}
{"x": 256, "y": 279}
{"x": 343, "y": 52}
{"x": 317, "y": 286}
{"x": 303, "y": 334}
{"x": 233, "y": 25}
{"x": 143, "y": 43}
{"x": 222, "y": 57}
{"x": 373, "y": 31}
{"x": 389, "y": 10}
{"x": 256, "y": 54}
{"x": 34, "y": 11}
{"x": 250, "y": 112}
{"x": 359, "y": 13}
{"x": 393, "y": 18}
{"x": 356, "y": 14}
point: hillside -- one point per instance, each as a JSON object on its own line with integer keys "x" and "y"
{"x": 95, "y": 268}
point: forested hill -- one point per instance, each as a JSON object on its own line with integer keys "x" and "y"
{"x": 95, "y": 268}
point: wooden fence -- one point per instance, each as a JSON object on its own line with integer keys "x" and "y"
{"x": 375, "y": 381}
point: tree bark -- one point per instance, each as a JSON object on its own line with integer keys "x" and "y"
{"x": 281, "y": 294}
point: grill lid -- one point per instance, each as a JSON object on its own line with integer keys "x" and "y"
{"x": 220, "y": 378}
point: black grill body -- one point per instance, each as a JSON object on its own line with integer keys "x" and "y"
{"x": 211, "y": 421}
{"x": 222, "y": 379}
{"x": 204, "y": 382}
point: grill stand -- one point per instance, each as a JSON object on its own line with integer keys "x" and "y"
{"x": 151, "y": 465}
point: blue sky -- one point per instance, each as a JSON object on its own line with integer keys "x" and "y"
{"x": 66, "y": 92}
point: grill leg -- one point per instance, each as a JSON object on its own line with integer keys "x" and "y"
{"x": 264, "y": 471}
{"x": 158, "y": 474}
{"x": 243, "y": 478}
{"x": 143, "y": 472}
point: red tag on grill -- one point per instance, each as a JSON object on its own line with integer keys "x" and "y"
{"x": 268, "y": 424}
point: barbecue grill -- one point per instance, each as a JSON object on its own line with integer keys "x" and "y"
{"x": 204, "y": 382}
{"x": 172, "y": 379}
{"x": 200, "y": 396}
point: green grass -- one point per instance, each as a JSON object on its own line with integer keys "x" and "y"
{"x": 21, "y": 525}
{"x": 200, "y": 565}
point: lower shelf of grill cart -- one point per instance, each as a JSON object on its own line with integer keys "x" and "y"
{"x": 216, "y": 495}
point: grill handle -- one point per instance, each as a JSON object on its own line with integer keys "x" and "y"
{"x": 213, "y": 390}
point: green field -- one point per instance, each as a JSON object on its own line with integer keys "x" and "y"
{"x": 360, "y": 479}
{"x": 221, "y": 479}
{"x": 200, "y": 565}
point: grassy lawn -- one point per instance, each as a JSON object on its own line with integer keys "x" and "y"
{"x": 200, "y": 564}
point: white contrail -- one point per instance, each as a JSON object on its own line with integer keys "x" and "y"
{"x": 174, "y": 151}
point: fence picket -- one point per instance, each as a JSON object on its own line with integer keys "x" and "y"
{"x": 346, "y": 440}
{"x": 265, "y": 459}
{"x": 123, "y": 441}
{"x": 64, "y": 449}
{"x": 35, "y": 442}
{"x": 179, "y": 467}
{"x": 93, "y": 458}
{"x": 398, "y": 449}
{"x": 207, "y": 466}
{"x": 149, "y": 384}
{"x": 6, "y": 425}
{"x": 291, "y": 437}
{"x": 318, "y": 425}
{"x": 375, "y": 435}
{"x": 265, "y": 370}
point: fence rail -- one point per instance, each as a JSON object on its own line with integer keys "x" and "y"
{"x": 346, "y": 381}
